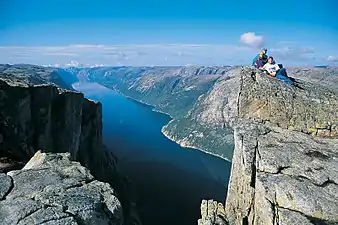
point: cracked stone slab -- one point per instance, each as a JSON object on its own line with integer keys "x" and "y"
{"x": 212, "y": 213}
{"x": 298, "y": 154}
{"x": 51, "y": 189}
{"x": 6, "y": 185}
{"x": 286, "y": 217}
{"x": 276, "y": 173}
{"x": 45, "y": 215}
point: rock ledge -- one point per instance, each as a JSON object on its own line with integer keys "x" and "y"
{"x": 51, "y": 189}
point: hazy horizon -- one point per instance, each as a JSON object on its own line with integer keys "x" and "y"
{"x": 150, "y": 33}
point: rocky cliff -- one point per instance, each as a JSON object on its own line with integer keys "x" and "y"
{"x": 284, "y": 168}
{"x": 52, "y": 189}
{"x": 36, "y": 114}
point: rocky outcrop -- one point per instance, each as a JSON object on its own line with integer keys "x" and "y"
{"x": 212, "y": 212}
{"x": 284, "y": 168}
{"x": 44, "y": 116}
{"x": 52, "y": 189}
{"x": 310, "y": 108}
{"x": 282, "y": 177}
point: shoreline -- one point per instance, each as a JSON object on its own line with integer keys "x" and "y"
{"x": 163, "y": 127}
{"x": 191, "y": 146}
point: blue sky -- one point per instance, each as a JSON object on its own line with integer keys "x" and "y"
{"x": 154, "y": 32}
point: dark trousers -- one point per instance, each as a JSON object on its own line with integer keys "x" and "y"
{"x": 282, "y": 75}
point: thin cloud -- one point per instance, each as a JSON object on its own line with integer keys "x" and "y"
{"x": 252, "y": 40}
{"x": 332, "y": 58}
{"x": 296, "y": 53}
{"x": 150, "y": 55}
{"x": 133, "y": 55}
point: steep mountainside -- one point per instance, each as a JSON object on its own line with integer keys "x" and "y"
{"x": 35, "y": 114}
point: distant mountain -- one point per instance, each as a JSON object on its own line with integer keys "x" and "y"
{"x": 69, "y": 75}
{"x": 32, "y": 74}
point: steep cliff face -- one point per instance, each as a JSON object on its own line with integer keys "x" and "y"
{"x": 284, "y": 168}
{"x": 282, "y": 177}
{"x": 45, "y": 117}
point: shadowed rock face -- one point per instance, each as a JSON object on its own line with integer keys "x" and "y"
{"x": 284, "y": 168}
{"x": 36, "y": 116}
{"x": 51, "y": 189}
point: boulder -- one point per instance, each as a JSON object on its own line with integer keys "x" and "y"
{"x": 52, "y": 189}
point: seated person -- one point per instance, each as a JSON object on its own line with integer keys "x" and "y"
{"x": 259, "y": 63}
{"x": 262, "y": 56}
{"x": 275, "y": 71}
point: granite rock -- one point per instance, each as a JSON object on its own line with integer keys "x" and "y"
{"x": 284, "y": 167}
{"x": 52, "y": 189}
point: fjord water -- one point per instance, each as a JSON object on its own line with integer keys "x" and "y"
{"x": 170, "y": 181}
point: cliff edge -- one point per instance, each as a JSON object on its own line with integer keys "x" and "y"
{"x": 36, "y": 114}
{"x": 285, "y": 166}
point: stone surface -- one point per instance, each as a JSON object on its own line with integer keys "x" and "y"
{"x": 277, "y": 169}
{"x": 6, "y": 185}
{"x": 51, "y": 189}
{"x": 212, "y": 212}
{"x": 285, "y": 166}
{"x": 282, "y": 171}
{"x": 310, "y": 108}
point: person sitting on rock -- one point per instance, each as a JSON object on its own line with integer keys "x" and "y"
{"x": 275, "y": 71}
{"x": 259, "y": 63}
{"x": 260, "y": 59}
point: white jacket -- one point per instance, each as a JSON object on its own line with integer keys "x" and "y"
{"x": 271, "y": 68}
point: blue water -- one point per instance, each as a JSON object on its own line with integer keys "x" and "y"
{"x": 170, "y": 181}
